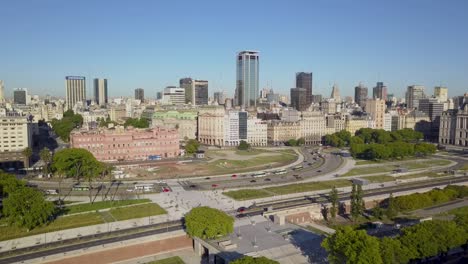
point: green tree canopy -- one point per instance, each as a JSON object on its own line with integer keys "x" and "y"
{"x": 26, "y": 207}
{"x": 64, "y": 126}
{"x": 192, "y": 146}
{"x": 77, "y": 163}
{"x": 252, "y": 260}
{"x": 46, "y": 157}
{"x": 205, "y": 222}
{"x": 393, "y": 252}
{"x": 9, "y": 183}
{"x": 243, "y": 145}
{"x": 349, "y": 246}
{"x": 137, "y": 123}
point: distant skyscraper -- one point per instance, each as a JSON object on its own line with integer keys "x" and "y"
{"x": 100, "y": 91}
{"x": 75, "y": 90}
{"x": 196, "y": 91}
{"x": 299, "y": 99}
{"x": 140, "y": 94}
{"x": 2, "y": 91}
{"x": 219, "y": 97}
{"x": 335, "y": 94}
{"x": 360, "y": 95}
{"x": 441, "y": 93}
{"x": 413, "y": 94}
{"x": 380, "y": 91}
{"x": 247, "y": 79}
{"x": 304, "y": 80}
{"x": 316, "y": 98}
{"x": 20, "y": 96}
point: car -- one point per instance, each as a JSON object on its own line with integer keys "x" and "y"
{"x": 295, "y": 175}
{"x": 267, "y": 179}
{"x": 193, "y": 186}
{"x": 130, "y": 190}
{"x": 207, "y": 178}
{"x": 319, "y": 171}
{"x": 245, "y": 175}
{"x": 166, "y": 190}
{"x": 241, "y": 209}
{"x": 241, "y": 215}
{"x": 234, "y": 176}
{"x": 309, "y": 163}
{"x": 253, "y": 181}
{"x": 214, "y": 185}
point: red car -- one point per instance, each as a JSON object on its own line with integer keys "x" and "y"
{"x": 166, "y": 190}
{"x": 234, "y": 176}
{"x": 214, "y": 185}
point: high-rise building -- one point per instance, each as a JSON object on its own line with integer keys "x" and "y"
{"x": 304, "y": 80}
{"x": 219, "y": 97}
{"x": 335, "y": 94}
{"x": 247, "y": 79}
{"x": 299, "y": 99}
{"x": 140, "y": 94}
{"x": 75, "y": 90}
{"x": 413, "y": 94}
{"x": 376, "y": 108}
{"x": 174, "y": 95}
{"x": 316, "y": 98}
{"x": 441, "y": 93}
{"x": 196, "y": 91}
{"x": 20, "y": 96}
{"x": 360, "y": 95}
{"x": 379, "y": 91}
{"x": 431, "y": 107}
{"x": 2, "y": 91}
{"x": 100, "y": 91}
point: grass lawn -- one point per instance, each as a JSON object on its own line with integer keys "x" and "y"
{"x": 86, "y": 207}
{"x": 251, "y": 152}
{"x": 389, "y": 167}
{"x": 59, "y": 224}
{"x": 419, "y": 175}
{"x": 171, "y": 260}
{"x": 137, "y": 211}
{"x": 247, "y": 194}
{"x": 465, "y": 167}
{"x": 379, "y": 178}
{"x": 308, "y": 186}
{"x": 459, "y": 211}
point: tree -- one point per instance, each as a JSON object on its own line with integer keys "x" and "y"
{"x": 300, "y": 141}
{"x": 137, "y": 123}
{"x": 64, "y": 126}
{"x": 354, "y": 203}
{"x": 206, "y": 223}
{"x": 349, "y": 246}
{"x": 392, "y": 210}
{"x": 192, "y": 146}
{"x": 252, "y": 260}
{"x": 393, "y": 252}
{"x": 377, "y": 211}
{"x": 359, "y": 200}
{"x": 243, "y": 145}
{"x": 27, "y": 153}
{"x": 334, "y": 202}
{"x": 9, "y": 183}
{"x": 46, "y": 157}
{"x": 292, "y": 142}
{"x": 26, "y": 207}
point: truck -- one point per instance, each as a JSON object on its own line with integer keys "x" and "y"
{"x": 154, "y": 157}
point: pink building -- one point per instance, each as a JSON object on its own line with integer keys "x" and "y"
{"x": 128, "y": 144}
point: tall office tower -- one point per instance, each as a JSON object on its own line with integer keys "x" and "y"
{"x": 2, "y": 91}
{"x": 201, "y": 92}
{"x": 100, "y": 91}
{"x": 75, "y": 90}
{"x": 20, "y": 96}
{"x": 360, "y": 95}
{"x": 299, "y": 99}
{"x": 335, "y": 94}
{"x": 376, "y": 108}
{"x": 441, "y": 93}
{"x": 219, "y": 97}
{"x": 246, "y": 93}
{"x": 174, "y": 95}
{"x": 304, "y": 80}
{"x": 140, "y": 94}
{"x": 431, "y": 107}
{"x": 413, "y": 94}
{"x": 379, "y": 91}
{"x": 187, "y": 84}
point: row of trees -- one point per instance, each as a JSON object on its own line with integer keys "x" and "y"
{"x": 64, "y": 126}
{"x": 137, "y": 122}
{"x": 427, "y": 239}
{"x": 24, "y": 206}
{"x": 296, "y": 142}
{"x": 394, "y": 150}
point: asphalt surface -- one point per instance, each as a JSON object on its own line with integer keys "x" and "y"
{"x": 313, "y": 166}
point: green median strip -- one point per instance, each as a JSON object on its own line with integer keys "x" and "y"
{"x": 137, "y": 211}
{"x": 88, "y": 207}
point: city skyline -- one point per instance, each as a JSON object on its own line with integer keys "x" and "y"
{"x": 155, "y": 56}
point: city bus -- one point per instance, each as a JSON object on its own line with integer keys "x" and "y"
{"x": 298, "y": 168}
{"x": 80, "y": 188}
{"x": 259, "y": 174}
{"x": 282, "y": 171}
{"x": 146, "y": 187}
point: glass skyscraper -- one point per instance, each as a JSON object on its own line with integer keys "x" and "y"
{"x": 247, "y": 90}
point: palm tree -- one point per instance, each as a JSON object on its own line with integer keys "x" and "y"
{"x": 46, "y": 157}
{"x": 27, "y": 153}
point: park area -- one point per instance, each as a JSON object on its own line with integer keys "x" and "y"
{"x": 85, "y": 214}
{"x": 218, "y": 162}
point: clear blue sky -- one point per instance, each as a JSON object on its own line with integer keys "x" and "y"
{"x": 151, "y": 44}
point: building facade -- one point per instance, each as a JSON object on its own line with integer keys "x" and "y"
{"x": 15, "y": 133}
{"x": 75, "y": 90}
{"x": 454, "y": 127}
{"x": 441, "y": 93}
{"x": 100, "y": 92}
{"x": 379, "y": 91}
{"x": 257, "y": 132}
{"x": 140, "y": 94}
{"x": 376, "y": 108}
{"x": 211, "y": 126}
{"x": 360, "y": 95}
{"x": 174, "y": 95}
{"x": 128, "y": 144}
{"x": 20, "y": 96}
{"x": 313, "y": 127}
{"x": 299, "y": 99}
{"x": 304, "y": 80}
{"x": 184, "y": 121}
{"x": 413, "y": 94}
{"x": 247, "y": 79}
{"x": 279, "y": 132}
